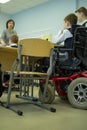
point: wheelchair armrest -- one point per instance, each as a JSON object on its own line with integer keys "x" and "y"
{"x": 66, "y": 49}
{"x": 62, "y": 48}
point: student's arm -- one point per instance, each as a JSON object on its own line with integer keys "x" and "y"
{"x": 2, "y": 42}
{"x": 62, "y": 36}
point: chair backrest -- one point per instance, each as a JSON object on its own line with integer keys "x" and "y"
{"x": 36, "y": 47}
{"x": 7, "y": 57}
{"x": 80, "y": 44}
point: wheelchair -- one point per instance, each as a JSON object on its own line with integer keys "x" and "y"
{"x": 69, "y": 74}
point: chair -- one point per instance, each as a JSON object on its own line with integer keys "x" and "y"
{"x": 29, "y": 51}
{"x": 7, "y": 57}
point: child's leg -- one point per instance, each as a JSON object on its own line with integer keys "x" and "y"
{"x": 2, "y": 90}
{"x": 3, "y": 85}
{"x": 6, "y": 80}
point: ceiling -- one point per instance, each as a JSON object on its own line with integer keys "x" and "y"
{"x": 15, "y": 6}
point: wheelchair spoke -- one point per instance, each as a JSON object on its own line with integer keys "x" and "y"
{"x": 76, "y": 93}
{"x": 81, "y": 99}
{"x": 80, "y": 86}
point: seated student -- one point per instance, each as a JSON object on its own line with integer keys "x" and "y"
{"x": 66, "y": 34}
{"x": 13, "y": 42}
{"x": 82, "y": 16}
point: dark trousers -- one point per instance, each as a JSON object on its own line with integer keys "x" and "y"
{"x": 1, "y": 86}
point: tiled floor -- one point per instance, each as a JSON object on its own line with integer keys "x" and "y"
{"x": 35, "y": 118}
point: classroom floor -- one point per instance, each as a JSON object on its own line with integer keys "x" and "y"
{"x": 36, "y": 118}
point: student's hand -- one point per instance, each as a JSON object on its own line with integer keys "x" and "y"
{"x": 2, "y": 43}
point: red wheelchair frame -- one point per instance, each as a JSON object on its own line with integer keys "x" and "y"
{"x": 58, "y": 80}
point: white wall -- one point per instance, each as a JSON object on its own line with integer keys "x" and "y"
{"x": 82, "y": 3}
{"x": 3, "y": 19}
{"x": 42, "y": 19}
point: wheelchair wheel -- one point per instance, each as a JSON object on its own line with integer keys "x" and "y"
{"x": 50, "y": 94}
{"x": 77, "y": 93}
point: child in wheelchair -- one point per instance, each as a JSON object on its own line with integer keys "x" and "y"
{"x": 66, "y": 36}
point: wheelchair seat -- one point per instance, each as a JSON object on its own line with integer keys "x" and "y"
{"x": 63, "y": 56}
{"x": 70, "y": 64}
